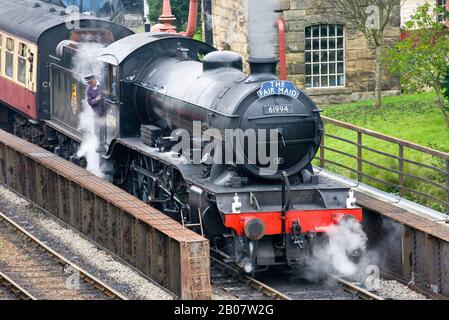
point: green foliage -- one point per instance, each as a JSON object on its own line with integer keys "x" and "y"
{"x": 421, "y": 60}
{"x": 180, "y": 9}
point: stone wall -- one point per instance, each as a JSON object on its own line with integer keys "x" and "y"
{"x": 229, "y": 23}
{"x": 230, "y": 32}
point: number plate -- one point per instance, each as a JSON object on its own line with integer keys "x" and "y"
{"x": 277, "y": 109}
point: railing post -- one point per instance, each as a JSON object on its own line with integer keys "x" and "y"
{"x": 359, "y": 156}
{"x": 447, "y": 185}
{"x": 322, "y": 160}
{"x": 401, "y": 169}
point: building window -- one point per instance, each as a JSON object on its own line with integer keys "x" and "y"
{"x": 325, "y": 56}
{"x": 9, "y": 58}
{"x": 441, "y": 3}
{"x": 21, "y": 76}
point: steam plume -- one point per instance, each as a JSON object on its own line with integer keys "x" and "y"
{"x": 261, "y": 29}
{"x": 84, "y": 63}
{"x": 334, "y": 257}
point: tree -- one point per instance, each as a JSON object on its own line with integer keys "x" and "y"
{"x": 371, "y": 17}
{"x": 421, "y": 60}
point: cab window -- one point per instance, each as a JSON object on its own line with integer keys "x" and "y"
{"x": 9, "y": 58}
{"x": 110, "y": 80}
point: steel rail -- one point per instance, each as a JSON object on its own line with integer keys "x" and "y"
{"x": 359, "y": 291}
{"x": 250, "y": 281}
{"x": 15, "y": 288}
{"x": 84, "y": 275}
{"x": 348, "y": 286}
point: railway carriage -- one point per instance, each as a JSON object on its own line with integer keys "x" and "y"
{"x": 30, "y": 32}
{"x": 156, "y": 84}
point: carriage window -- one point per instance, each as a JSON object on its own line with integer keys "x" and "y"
{"x": 9, "y": 58}
{"x": 31, "y": 61}
{"x": 21, "y": 76}
{"x": 1, "y": 46}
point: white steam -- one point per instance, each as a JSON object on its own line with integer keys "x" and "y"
{"x": 89, "y": 124}
{"x": 85, "y": 63}
{"x": 336, "y": 255}
{"x": 261, "y": 29}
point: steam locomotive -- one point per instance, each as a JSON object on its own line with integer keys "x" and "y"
{"x": 158, "y": 89}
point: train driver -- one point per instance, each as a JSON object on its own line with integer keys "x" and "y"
{"x": 93, "y": 93}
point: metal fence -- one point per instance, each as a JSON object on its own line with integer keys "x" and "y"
{"x": 415, "y": 172}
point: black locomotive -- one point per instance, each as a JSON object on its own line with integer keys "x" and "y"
{"x": 160, "y": 88}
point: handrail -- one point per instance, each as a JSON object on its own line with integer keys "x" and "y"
{"x": 399, "y": 170}
{"x": 385, "y": 137}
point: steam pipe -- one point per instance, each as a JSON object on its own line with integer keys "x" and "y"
{"x": 192, "y": 22}
{"x": 280, "y": 24}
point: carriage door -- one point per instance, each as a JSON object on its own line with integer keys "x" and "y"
{"x": 111, "y": 102}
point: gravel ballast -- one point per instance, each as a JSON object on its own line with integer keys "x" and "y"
{"x": 80, "y": 250}
{"x": 397, "y": 291}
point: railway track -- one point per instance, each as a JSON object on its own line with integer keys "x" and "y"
{"x": 231, "y": 279}
{"x": 30, "y": 270}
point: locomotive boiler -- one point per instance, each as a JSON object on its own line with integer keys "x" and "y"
{"x": 170, "y": 103}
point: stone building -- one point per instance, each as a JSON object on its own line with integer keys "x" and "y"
{"x": 326, "y": 56}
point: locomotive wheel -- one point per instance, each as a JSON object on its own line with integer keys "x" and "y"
{"x": 141, "y": 186}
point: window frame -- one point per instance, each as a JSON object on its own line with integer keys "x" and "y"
{"x": 9, "y": 51}
{"x": 22, "y": 49}
{"x": 311, "y": 53}
{"x": 1, "y": 54}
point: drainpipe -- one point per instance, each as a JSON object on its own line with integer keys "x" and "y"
{"x": 192, "y": 22}
{"x": 280, "y": 24}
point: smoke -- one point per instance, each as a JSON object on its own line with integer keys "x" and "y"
{"x": 338, "y": 255}
{"x": 261, "y": 29}
{"x": 89, "y": 122}
{"x": 84, "y": 63}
